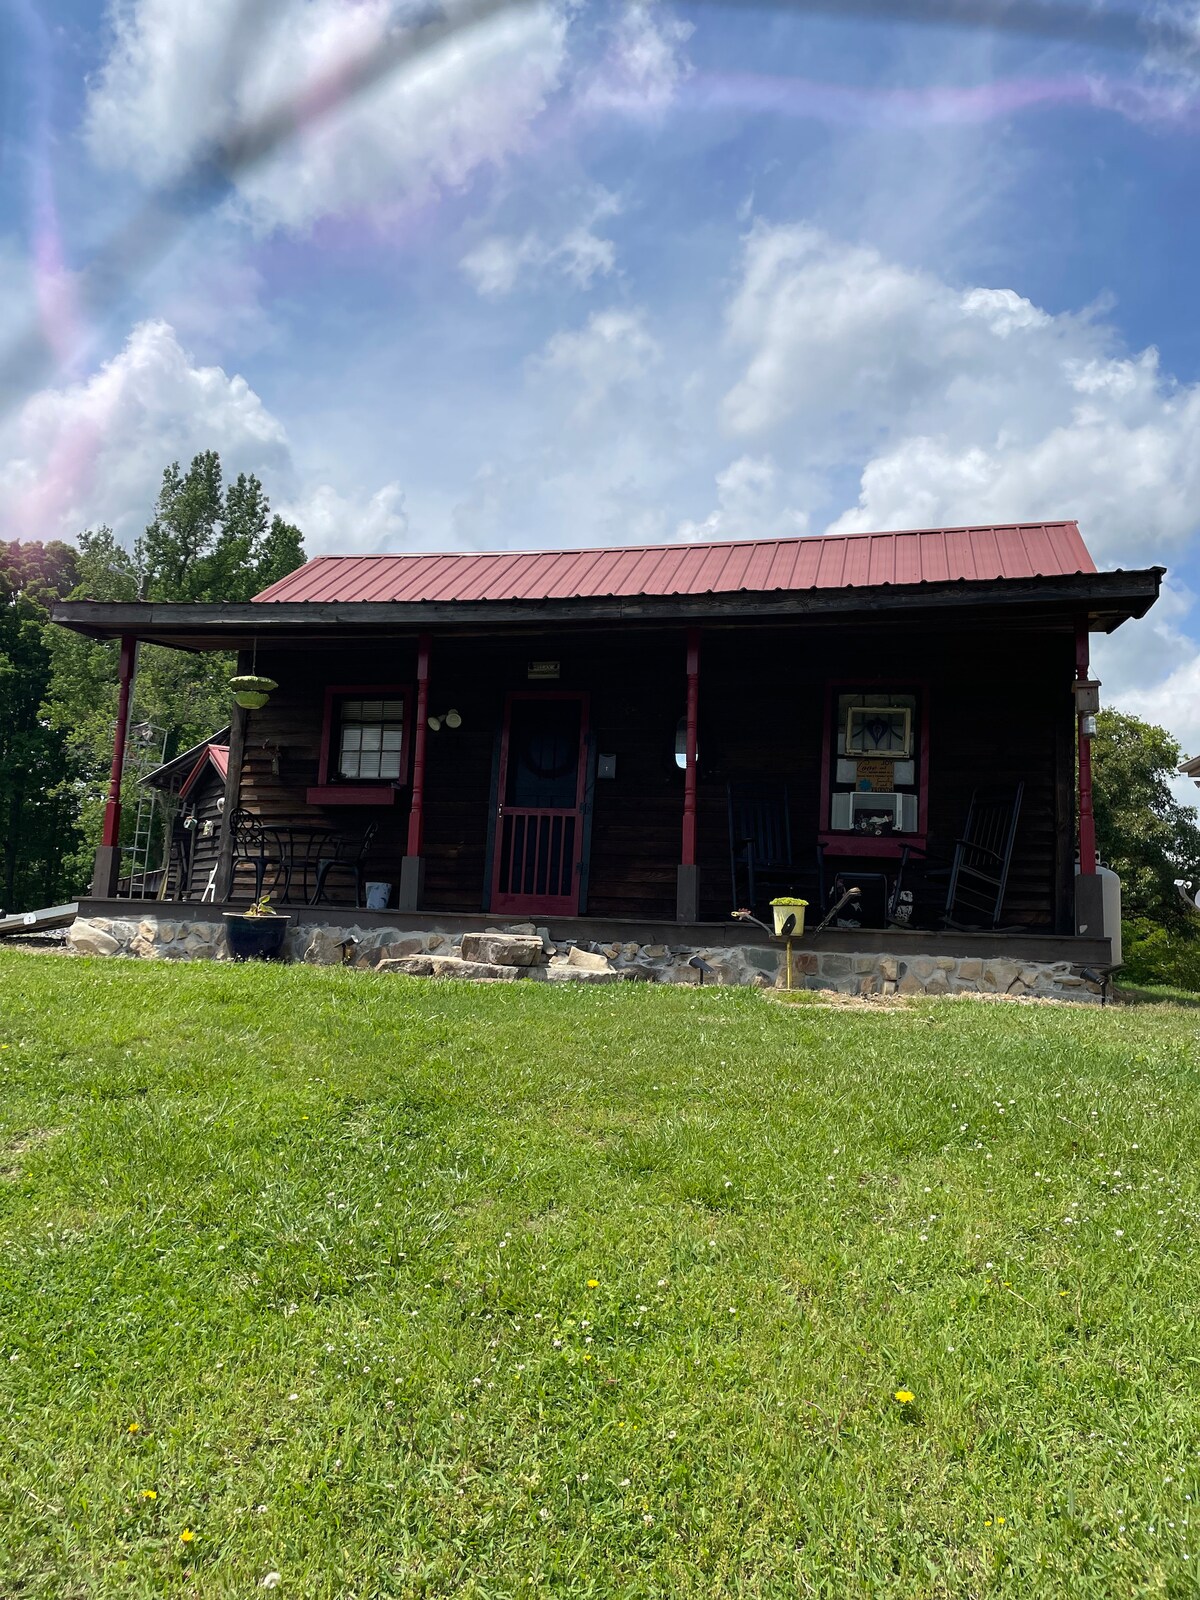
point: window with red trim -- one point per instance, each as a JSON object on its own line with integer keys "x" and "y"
{"x": 370, "y": 739}
{"x": 875, "y": 767}
{"x": 364, "y": 743}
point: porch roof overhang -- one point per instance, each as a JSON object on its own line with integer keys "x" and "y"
{"x": 1106, "y": 598}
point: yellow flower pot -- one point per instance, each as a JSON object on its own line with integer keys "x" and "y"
{"x": 785, "y": 908}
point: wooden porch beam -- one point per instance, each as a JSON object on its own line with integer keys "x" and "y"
{"x": 1087, "y": 821}
{"x": 687, "y": 890}
{"x": 1109, "y": 596}
{"x": 108, "y": 856}
{"x": 412, "y": 868}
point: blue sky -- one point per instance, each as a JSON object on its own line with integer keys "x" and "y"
{"x": 603, "y": 274}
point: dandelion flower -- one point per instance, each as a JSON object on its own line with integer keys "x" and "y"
{"x": 187, "y": 1536}
{"x": 134, "y": 1427}
{"x": 593, "y": 1283}
{"x": 149, "y": 1494}
{"x": 1000, "y": 1522}
{"x": 905, "y": 1396}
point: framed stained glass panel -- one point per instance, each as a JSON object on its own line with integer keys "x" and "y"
{"x": 878, "y": 731}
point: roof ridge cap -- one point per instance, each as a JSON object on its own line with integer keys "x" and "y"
{"x": 685, "y": 544}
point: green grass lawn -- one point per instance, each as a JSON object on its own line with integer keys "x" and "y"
{"x": 406, "y": 1289}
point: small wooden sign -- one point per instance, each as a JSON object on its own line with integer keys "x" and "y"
{"x": 542, "y": 669}
{"x": 876, "y": 774}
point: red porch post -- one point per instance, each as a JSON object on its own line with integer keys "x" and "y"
{"x": 1097, "y": 914}
{"x": 412, "y": 868}
{"x": 108, "y": 856}
{"x": 1087, "y": 822}
{"x": 687, "y": 881}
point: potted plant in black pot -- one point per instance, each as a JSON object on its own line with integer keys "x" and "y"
{"x": 256, "y": 934}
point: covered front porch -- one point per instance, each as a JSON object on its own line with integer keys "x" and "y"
{"x": 592, "y": 765}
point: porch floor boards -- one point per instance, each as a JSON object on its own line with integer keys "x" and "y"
{"x": 1017, "y": 946}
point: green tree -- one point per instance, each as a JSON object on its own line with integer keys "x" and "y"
{"x": 205, "y": 543}
{"x": 1142, "y": 831}
{"x": 211, "y": 543}
{"x": 37, "y": 824}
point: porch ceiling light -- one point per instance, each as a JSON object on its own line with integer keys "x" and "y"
{"x": 449, "y": 719}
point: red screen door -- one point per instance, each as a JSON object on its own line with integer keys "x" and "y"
{"x": 539, "y": 818}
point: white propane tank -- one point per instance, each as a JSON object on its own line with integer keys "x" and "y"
{"x": 1110, "y": 898}
{"x": 1103, "y": 907}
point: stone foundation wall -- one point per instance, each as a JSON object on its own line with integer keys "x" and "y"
{"x": 524, "y": 951}
{"x": 398, "y": 949}
{"x": 916, "y": 974}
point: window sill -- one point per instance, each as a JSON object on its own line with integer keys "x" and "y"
{"x": 870, "y": 844}
{"x": 352, "y": 794}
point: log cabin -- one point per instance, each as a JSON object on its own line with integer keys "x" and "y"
{"x": 651, "y": 737}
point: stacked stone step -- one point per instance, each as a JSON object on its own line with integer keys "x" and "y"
{"x": 494, "y": 957}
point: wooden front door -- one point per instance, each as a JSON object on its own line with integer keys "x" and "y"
{"x": 538, "y": 855}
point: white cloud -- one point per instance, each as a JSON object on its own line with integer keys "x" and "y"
{"x": 94, "y": 451}
{"x": 1166, "y": 87}
{"x": 499, "y": 262}
{"x": 959, "y": 406}
{"x": 1151, "y": 669}
{"x": 340, "y": 524}
{"x": 181, "y": 77}
{"x": 832, "y": 330}
{"x": 645, "y": 63}
{"x": 1174, "y": 704}
{"x": 748, "y": 505}
{"x": 608, "y": 357}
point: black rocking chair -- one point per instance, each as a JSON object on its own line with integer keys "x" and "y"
{"x": 982, "y": 857}
{"x": 348, "y": 860}
{"x": 760, "y": 840}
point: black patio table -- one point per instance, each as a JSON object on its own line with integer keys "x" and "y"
{"x": 301, "y": 848}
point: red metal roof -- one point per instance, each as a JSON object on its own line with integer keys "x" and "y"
{"x": 834, "y": 561}
{"x": 218, "y": 754}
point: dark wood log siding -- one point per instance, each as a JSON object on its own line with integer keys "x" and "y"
{"x": 204, "y": 801}
{"x": 1000, "y": 710}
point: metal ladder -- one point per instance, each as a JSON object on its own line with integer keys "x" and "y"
{"x": 145, "y": 749}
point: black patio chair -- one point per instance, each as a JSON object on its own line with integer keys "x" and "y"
{"x": 982, "y": 858}
{"x": 349, "y": 859}
{"x": 251, "y": 849}
{"x": 760, "y": 840}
